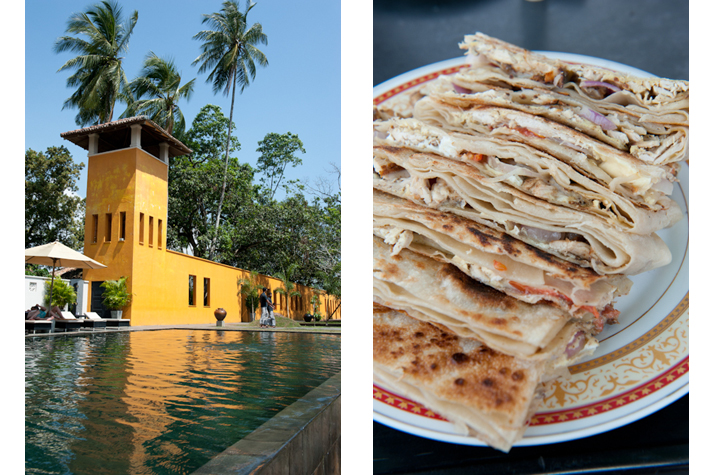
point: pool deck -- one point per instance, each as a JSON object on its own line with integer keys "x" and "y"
{"x": 248, "y": 327}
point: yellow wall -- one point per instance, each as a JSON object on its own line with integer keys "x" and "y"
{"x": 134, "y": 182}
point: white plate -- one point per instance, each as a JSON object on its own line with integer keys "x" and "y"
{"x": 641, "y": 365}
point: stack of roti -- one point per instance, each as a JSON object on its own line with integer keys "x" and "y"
{"x": 512, "y": 200}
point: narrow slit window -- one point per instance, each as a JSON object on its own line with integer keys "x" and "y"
{"x": 207, "y": 292}
{"x": 160, "y": 234}
{"x": 122, "y": 224}
{"x": 141, "y": 226}
{"x": 191, "y": 291}
{"x": 109, "y": 219}
{"x": 150, "y": 231}
{"x": 95, "y": 229}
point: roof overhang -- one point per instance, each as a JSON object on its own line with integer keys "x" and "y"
{"x": 116, "y": 135}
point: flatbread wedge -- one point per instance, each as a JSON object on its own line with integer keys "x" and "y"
{"x": 646, "y": 117}
{"x": 644, "y": 184}
{"x": 454, "y": 187}
{"x": 528, "y": 169}
{"x": 495, "y": 259}
{"x": 441, "y": 294}
{"x": 485, "y": 393}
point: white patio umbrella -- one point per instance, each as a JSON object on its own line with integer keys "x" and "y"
{"x": 56, "y": 254}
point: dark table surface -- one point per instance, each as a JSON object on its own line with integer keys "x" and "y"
{"x": 651, "y": 35}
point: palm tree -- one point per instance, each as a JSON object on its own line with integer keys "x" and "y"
{"x": 159, "y": 81}
{"x": 289, "y": 287}
{"x": 249, "y": 288}
{"x": 99, "y": 76}
{"x": 229, "y": 52}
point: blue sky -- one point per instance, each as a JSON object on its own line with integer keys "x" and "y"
{"x": 298, "y": 92}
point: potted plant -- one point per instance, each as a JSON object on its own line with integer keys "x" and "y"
{"x": 116, "y": 296}
{"x": 62, "y": 294}
{"x": 315, "y": 302}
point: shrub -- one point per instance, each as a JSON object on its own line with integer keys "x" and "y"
{"x": 116, "y": 296}
{"x": 62, "y": 293}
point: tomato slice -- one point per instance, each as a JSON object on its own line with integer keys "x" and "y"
{"x": 526, "y": 289}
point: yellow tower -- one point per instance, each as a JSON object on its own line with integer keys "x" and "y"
{"x": 126, "y": 204}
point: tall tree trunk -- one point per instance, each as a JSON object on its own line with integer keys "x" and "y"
{"x": 226, "y": 167}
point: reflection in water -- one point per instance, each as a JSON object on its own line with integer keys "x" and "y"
{"x": 160, "y": 402}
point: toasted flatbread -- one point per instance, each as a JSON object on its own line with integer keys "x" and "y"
{"x": 646, "y": 117}
{"x": 441, "y": 294}
{"x": 454, "y": 187}
{"x": 643, "y": 184}
{"x": 484, "y": 392}
{"x": 493, "y": 258}
{"x": 532, "y": 171}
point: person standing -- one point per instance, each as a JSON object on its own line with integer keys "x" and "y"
{"x": 264, "y": 303}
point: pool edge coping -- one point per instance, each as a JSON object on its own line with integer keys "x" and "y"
{"x": 188, "y": 326}
{"x": 262, "y": 446}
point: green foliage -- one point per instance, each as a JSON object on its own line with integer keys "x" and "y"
{"x": 116, "y": 295}
{"x": 277, "y": 152}
{"x": 249, "y": 287}
{"x": 159, "y": 82}
{"x": 34, "y": 269}
{"x": 101, "y": 40}
{"x": 53, "y": 212}
{"x": 288, "y": 288}
{"x": 229, "y": 52}
{"x": 62, "y": 293}
{"x": 257, "y": 233}
{"x": 194, "y": 191}
{"x": 315, "y": 303}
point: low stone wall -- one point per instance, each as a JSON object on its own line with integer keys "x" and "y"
{"x": 303, "y": 439}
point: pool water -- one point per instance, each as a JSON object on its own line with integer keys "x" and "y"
{"x": 160, "y": 402}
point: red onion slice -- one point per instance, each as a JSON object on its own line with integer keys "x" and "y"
{"x": 379, "y": 135}
{"x": 461, "y": 90}
{"x": 597, "y": 118}
{"x": 576, "y": 345}
{"x": 541, "y": 235}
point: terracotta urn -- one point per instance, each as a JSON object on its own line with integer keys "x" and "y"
{"x": 220, "y": 314}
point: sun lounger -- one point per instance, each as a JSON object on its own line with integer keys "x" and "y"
{"x": 110, "y": 322}
{"x": 67, "y": 323}
{"x": 118, "y": 322}
{"x": 34, "y": 326}
{"x": 93, "y": 321}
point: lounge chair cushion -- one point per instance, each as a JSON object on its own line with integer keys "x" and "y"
{"x": 93, "y": 316}
{"x": 68, "y": 316}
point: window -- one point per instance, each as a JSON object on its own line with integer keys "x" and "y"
{"x": 160, "y": 234}
{"x": 141, "y": 226}
{"x": 207, "y": 292}
{"x": 95, "y": 228}
{"x": 150, "y": 231}
{"x": 108, "y": 227}
{"x": 191, "y": 291}
{"x": 122, "y": 226}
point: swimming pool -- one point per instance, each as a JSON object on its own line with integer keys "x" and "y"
{"x": 160, "y": 402}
